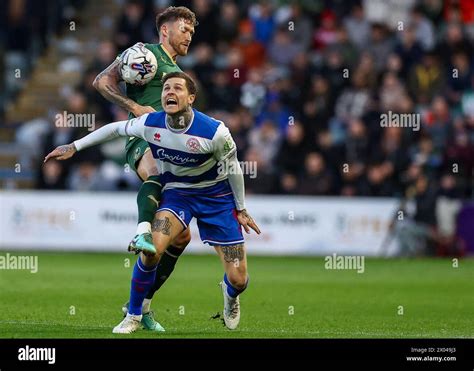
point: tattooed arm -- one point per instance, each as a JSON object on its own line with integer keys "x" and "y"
{"x": 107, "y": 84}
{"x": 133, "y": 127}
{"x": 62, "y": 152}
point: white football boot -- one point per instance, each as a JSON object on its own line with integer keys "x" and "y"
{"x": 231, "y": 309}
{"x": 130, "y": 323}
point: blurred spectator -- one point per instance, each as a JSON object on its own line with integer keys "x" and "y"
{"x": 253, "y": 51}
{"x": 418, "y": 233}
{"x": 293, "y": 149}
{"x": 207, "y": 16}
{"x": 426, "y": 78}
{"x": 129, "y": 29}
{"x": 302, "y": 27}
{"x": 317, "y": 105}
{"x": 266, "y": 139}
{"x": 261, "y": 16}
{"x": 376, "y": 181}
{"x": 282, "y": 50}
{"x": 448, "y": 206}
{"x": 326, "y": 35}
{"x": 237, "y": 70}
{"x": 228, "y": 22}
{"x": 438, "y": 123}
{"x": 423, "y": 28}
{"x": 85, "y": 176}
{"x": 253, "y": 92}
{"x": 106, "y": 54}
{"x": 459, "y": 160}
{"x": 379, "y": 45}
{"x": 391, "y": 93}
{"x": 454, "y": 41}
{"x": 52, "y": 176}
{"x": 409, "y": 50}
{"x": 357, "y": 26}
{"x": 424, "y": 155}
{"x": 203, "y": 65}
{"x": 222, "y": 95}
{"x": 335, "y": 70}
{"x": 265, "y": 180}
{"x": 458, "y": 76}
{"x": 316, "y": 179}
{"x": 354, "y": 101}
{"x": 288, "y": 184}
{"x": 345, "y": 47}
{"x": 356, "y": 145}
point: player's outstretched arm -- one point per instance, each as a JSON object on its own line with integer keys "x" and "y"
{"x": 62, "y": 152}
{"x": 134, "y": 127}
{"x": 236, "y": 181}
{"x": 107, "y": 84}
{"x": 225, "y": 152}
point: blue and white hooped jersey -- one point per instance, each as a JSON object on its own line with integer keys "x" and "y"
{"x": 189, "y": 158}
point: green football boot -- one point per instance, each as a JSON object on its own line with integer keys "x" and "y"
{"x": 142, "y": 242}
{"x": 148, "y": 320}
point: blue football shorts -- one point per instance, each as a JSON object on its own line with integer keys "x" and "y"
{"x": 215, "y": 213}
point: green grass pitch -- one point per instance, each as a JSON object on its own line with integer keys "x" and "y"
{"x": 79, "y": 295}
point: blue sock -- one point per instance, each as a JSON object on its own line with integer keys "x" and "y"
{"x": 142, "y": 279}
{"x": 231, "y": 290}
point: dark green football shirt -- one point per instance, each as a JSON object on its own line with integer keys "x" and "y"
{"x": 150, "y": 94}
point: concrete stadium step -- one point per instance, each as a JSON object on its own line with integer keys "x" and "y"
{"x": 8, "y": 161}
{"x": 20, "y": 183}
{"x": 7, "y": 134}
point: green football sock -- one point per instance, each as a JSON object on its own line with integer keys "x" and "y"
{"x": 148, "y": 199}
{"x": 165, "y": 268}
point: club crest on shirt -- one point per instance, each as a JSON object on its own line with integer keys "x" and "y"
{"x": 157, "y": 137}
{"x": 193, "y": 145}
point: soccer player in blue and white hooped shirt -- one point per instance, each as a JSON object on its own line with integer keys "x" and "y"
{"x": 190, "y": 149}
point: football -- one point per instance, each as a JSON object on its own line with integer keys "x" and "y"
{"x": 138, "y": 65}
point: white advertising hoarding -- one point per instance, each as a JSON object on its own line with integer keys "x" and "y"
{"x": 291, "y": 225}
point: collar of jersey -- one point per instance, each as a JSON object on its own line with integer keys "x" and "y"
{"x": 166, "y": 52}
{"x": 181, "y": 131}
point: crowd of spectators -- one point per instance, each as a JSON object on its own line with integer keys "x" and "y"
{"x": 302, "y": 87}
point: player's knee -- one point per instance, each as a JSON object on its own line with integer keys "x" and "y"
{"x": 160, "y": 246}
{"x": 150, "y": 260}
{"x": 238, "y": 281}
{"x": 182, "y": 240}
{"x": 147, "y": 166}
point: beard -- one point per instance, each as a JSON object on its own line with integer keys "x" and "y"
{"x": 178, "y": 48}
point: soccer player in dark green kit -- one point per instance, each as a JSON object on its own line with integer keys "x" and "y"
{"x": 175, "y": 26}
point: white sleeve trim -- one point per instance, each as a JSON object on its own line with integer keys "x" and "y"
{"x": 236, "y": 181}
{"x": 103, "y": 134}
{"x": 130, "y": 128}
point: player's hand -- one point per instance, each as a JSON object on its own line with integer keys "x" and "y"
{"x": 141, "y": 110}
{"x": 62, "y": 152}
{"x": 247, "y": 221}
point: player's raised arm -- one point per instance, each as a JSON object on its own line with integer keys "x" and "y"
{"x": 107, "y": 84}
{"x": 134, "y": 127}
{"x": 226, "y": 151}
